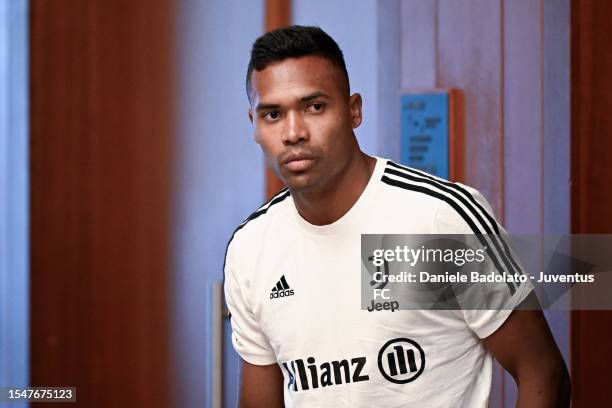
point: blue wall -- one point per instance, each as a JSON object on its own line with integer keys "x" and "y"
{"x": 353, "y": 24}
{"x": 14, "y": 249}
{"x": 219, "y": 178}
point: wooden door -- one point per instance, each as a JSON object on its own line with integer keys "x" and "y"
{"x": 101, "y": 87}
{"x": 591, "y": 186}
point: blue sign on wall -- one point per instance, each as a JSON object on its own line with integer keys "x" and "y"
{"x": 425, "y": 132}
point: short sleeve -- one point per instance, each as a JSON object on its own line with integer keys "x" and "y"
{"x": 496, "y": 301}
{"x": 247, "y": 338}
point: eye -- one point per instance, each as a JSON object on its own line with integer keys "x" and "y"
{"x": 271, "y": 116}
{"x": 315, "y": 107}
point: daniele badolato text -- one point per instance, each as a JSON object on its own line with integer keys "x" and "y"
{"x": 479, "y": 277}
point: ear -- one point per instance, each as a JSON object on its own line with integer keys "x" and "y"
{"x": 255, "y": 134}
{"x": 355, "y": 107}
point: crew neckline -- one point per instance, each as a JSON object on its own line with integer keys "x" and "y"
{"x": 341, "y": 223}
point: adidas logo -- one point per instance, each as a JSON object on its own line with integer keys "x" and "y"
{"x": 281, "y": 289}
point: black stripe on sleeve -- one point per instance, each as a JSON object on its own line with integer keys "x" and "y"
{"x": 506, "y": 256}
{"x": 456, "y": 207}
{"x": 470, "y": 197}
{"x": 283, "y": 194}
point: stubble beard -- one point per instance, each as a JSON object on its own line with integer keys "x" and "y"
{"x": 319, "y": 181}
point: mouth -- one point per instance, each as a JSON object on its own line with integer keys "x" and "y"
{"x": 298, "y": 162}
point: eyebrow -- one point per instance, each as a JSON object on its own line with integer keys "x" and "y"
{"x": 262, "y": 106}
{"x": 309, "y": 97}
{"x": 312, "y": 96}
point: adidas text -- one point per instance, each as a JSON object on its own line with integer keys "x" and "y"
{"x": 281, "y": 293}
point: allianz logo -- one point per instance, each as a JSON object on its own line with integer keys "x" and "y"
{"x": 400, "y": 361}
{"x": 304, "y": 376}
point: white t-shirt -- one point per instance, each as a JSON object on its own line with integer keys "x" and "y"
{"x": 294, "y": 293}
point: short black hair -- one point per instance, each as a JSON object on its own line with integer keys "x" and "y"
{"x": 293, "y": 42}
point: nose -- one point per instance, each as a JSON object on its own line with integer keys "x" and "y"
{"x": 295, "y": 130}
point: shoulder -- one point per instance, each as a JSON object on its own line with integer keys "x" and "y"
{"x": 457, "y": 206}
{"x": 247, "y": 236}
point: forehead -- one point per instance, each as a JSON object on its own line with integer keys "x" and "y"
{"x": 292, "y": 78}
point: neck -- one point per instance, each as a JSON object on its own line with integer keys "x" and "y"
{"x": 329, "y": 205}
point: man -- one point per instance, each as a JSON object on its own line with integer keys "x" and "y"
{"x": 292, "y": 270}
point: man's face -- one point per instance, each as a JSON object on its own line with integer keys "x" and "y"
{"x": 304, "y": 121}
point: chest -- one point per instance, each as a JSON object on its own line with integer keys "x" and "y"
{"x": 309, "y": 302}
